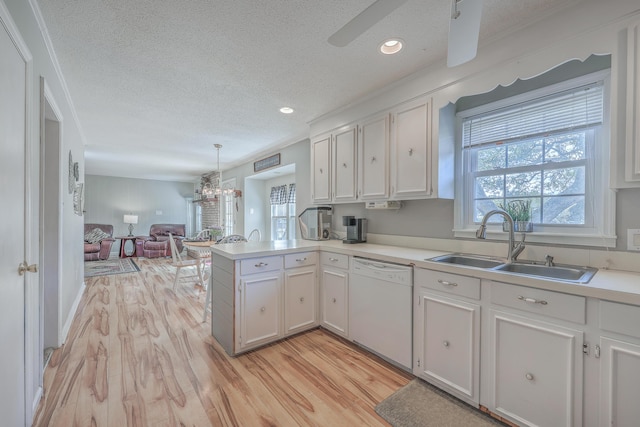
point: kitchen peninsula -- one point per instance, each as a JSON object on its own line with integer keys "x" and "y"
{"x": 266, "y": 291}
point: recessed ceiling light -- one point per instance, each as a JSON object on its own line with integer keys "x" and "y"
{"x": 391, "y": 46}
{"x": 286, "y": 110}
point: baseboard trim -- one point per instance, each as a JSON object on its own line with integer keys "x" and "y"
{"x": 72, "y": 313}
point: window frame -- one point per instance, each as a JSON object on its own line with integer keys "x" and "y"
{"x": 599, "y": 200}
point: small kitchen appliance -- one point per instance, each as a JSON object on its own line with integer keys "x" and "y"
{"x": 356, "y": 229}
{"x": 315, "y": 223}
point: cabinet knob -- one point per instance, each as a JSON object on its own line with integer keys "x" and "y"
{"x": 334, "y": 300}
{"x": 320, "y": 170}
{"x": 411, "y": 151}
{"x": 445, "y": 343}
{"x": 262, "y": 309}
{"x": 529, "y": 376}
{"x": 373, "y": 159}
{"x": 301, "y": 299}
{"x": 344, "y": 165}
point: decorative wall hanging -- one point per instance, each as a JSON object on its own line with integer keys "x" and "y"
{"x": 76, "y": 171}
{"x": 71, "y": 178}
{"x": 78, "y": 199}
{"x": 266, "y": 163}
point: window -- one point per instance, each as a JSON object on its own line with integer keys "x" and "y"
{"x": 548, "y": 147}
{"x": 228, "y": 206}
{"x": 283, "y": 212}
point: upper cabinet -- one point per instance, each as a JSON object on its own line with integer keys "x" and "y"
{"x": 321, "y": 169}
{"x": 373, "y": 158}
{"x": 334, "y": 166}
{"x": 387, "y": 156}
{"x": 411, "y": 150}
{"x": 632, "y": 155}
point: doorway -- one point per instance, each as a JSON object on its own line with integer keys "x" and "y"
{"x": 51, "y": 160}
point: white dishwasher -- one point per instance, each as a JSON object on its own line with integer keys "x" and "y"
{"x": 380, "y": 308}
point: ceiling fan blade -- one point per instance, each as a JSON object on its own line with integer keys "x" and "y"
{"x": 362, "y": 22}
{"x": 463, "y": 31}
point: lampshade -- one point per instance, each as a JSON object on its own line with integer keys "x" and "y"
{"x": 131, "y": 219}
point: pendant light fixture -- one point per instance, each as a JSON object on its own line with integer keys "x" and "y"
{"x": 218, "y": 188}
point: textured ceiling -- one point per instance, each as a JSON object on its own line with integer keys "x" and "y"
{"x": 156, "y": 83}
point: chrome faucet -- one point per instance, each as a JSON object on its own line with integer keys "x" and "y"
{"x": 514, "y": 249}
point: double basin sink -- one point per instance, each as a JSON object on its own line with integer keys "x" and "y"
{"x": 567, "y": 273}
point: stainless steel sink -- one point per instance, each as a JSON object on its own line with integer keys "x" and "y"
{"x": 468, "y": 260}
{"x": 558, "y": 272}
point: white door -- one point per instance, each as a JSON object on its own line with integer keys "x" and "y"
{"x": 619, "y": 383}
{"x": 260, "y": 307}
{"x": 299, "y": 299}
{"x": 374, "y": 159}
{"x": 13, "y": 69}
{"x": 344, "y": 162}
{"x": 335, "y": 288}
{"x": 320, "y": 175}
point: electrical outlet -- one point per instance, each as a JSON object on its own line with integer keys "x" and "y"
{"x": 633, "y": 239}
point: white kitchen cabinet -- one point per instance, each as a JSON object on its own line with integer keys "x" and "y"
{"x": 447, "y": 332}
{"x": 300, "y": 302}
{"x": 632, "y": 157}
{"x": 620, "y": 364}
{"x": 411, "y": 150}
{"x": 260, "y": 309}
{"x": 344, "y": 165}
{"x": 334, "y": 291}
{"x": 534, "y": 369}
{"x": 373, "y": 159}
{"x": 334, "y": 166}
{"x": 321, "y": 169}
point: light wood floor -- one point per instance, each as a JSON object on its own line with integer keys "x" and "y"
{"x": 137, "y": 354}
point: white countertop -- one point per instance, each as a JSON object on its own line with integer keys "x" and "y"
{"x": 613, "y": 285}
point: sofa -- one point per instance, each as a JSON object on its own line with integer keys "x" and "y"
{"x": 97, "y": 244}
{"x": 156, "y": 244}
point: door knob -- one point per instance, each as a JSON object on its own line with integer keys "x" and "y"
{"x": 24, "y": 267}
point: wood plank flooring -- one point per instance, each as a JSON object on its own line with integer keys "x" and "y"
{"x": 137, "y": 354}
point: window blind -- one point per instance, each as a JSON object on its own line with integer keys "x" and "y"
{"x": 564, "y": 111}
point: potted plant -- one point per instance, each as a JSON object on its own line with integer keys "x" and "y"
{"x": 520, "y": 212}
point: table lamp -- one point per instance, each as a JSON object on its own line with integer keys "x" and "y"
{"x": 131, "y": 219}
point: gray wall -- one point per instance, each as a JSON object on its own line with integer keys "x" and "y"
{"x": 108, "y": 199}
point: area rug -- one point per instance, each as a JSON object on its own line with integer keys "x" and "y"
{"x": 110, "y": 266}
{"x": 419, "y": 404}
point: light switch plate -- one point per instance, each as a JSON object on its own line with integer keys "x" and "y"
{"x": 633, "y": 239}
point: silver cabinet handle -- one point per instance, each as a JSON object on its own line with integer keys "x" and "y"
{"x": 263, "y": 309}
{"x": 444, "y": 282}
{"x": 24, "y": 267}
{"x": 445, "y": 343}
{"x": 333, "y": 259}
{"x": 532, "y": 300}
{"x": 411, "y": 151}
{"x": 301, "y": 259}
{"x": 261, "y": 264}
{"x": 301, "y": 299}
{"x": 334, "y": 300}
{"x": 529, "y": 376}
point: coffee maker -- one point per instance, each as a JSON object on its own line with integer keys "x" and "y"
{"x": 356, "y": 229}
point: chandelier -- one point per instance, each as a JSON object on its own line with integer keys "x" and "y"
{"x": 209, "y": 190}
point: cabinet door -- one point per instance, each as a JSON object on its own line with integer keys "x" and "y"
{"x": 299, "y": 299}
{"x": 411, "y": 150}
{"x": 373, "y": 164}
{"x": 321, "y": 172}
{"x": 632, "y": 157}
{"x": 619, "y": 383}
{"x": 260, "y": 309}
{"x": 344, "y": 165}
{"x": 335, "y": 288}
{"x": 536, "y": 371}
{"x": 447, "y": 340}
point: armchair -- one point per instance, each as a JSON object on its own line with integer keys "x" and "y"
{"x": 156, "y": 244}
{"x": 97, "y": 249}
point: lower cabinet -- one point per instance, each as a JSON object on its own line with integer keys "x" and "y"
{"x": 300, "y": 300}
{"x": 533, "y": 372}
{"x": 334, "y": 292}
{"x": 446, "y": 338}
{"x": 260, "y": 309}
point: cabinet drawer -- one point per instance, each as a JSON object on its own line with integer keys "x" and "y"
{"x": 336, "y": 260}
{"x": 620, "y": 318}
{"x": 260, "y": 265}
{"x": 300, "y": 259}
{"x": 445, "y": 282}
{"x": 548, "y": 303}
